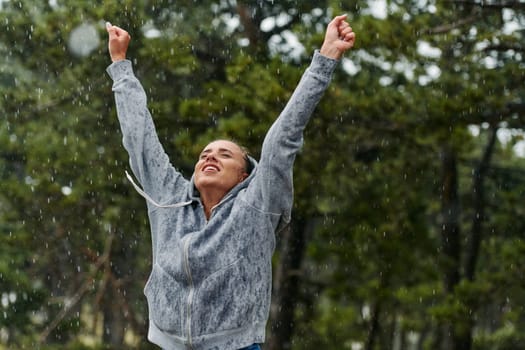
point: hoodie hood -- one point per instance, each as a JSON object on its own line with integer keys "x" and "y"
{"x": 193, "y": 193}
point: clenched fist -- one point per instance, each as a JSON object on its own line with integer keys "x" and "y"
{"x": 118, "y": 42}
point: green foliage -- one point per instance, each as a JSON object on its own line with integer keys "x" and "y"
{"x": 368, "y": 181}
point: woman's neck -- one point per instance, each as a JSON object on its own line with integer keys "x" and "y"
{"x": 210, "y": 198}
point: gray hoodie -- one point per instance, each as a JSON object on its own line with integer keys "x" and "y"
{"x": 210, "y": 284}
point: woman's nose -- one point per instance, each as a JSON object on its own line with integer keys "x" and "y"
{"x": 210, "y": 156}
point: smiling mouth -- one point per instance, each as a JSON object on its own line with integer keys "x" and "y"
{"x": 210, "y": 168}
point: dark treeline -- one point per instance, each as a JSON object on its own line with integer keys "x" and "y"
{"x": 408, "y": 224}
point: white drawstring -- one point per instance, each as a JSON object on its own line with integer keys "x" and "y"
{"x": 148, "y": 198}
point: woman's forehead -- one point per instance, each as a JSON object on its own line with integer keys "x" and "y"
{"x": 223, "y": 145}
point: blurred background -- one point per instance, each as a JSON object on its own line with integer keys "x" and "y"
{"x": 409, "y": 219}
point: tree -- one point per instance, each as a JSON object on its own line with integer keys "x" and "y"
{"x": 406, "y": 231}
{"x": 64, "y": 201}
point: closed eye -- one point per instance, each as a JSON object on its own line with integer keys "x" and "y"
{"x": 224, "y": 153}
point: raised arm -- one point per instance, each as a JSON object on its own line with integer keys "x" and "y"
{"x": 272, "y": 188}
{"x": 148, "y": 161}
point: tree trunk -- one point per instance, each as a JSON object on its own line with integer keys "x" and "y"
{"x": 463, "y": 340}
{"x": 450, "y": 228}
{"x": 114, "y": 322}
{"x": 451, "y": 246}
{"x": 251, "y": 17}
{"x": 373, "y": 330}
{"x": 286, "y": 282}
{"x": 455, "y": 339}
{"x": 476, "y": 234}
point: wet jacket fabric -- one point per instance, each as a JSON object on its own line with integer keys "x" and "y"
{"x": 210, "y": 283}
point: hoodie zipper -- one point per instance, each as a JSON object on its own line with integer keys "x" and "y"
{"x": 191, "y": 292}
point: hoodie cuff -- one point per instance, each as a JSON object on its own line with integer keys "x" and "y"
{"x": 323, "y": 65}
{"x": 120, "y": 69}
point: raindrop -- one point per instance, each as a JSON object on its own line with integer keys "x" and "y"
{"x": 66, "y": 190}
{"x": 5, "y": 300}
{"x": 12, "y": 297}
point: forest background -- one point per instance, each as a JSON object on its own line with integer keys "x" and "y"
{"x": 409, "y": 219}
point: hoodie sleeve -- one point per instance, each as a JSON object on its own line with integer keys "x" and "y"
{"x": 272, "y": 187}
{"x": 148, "y": 161}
